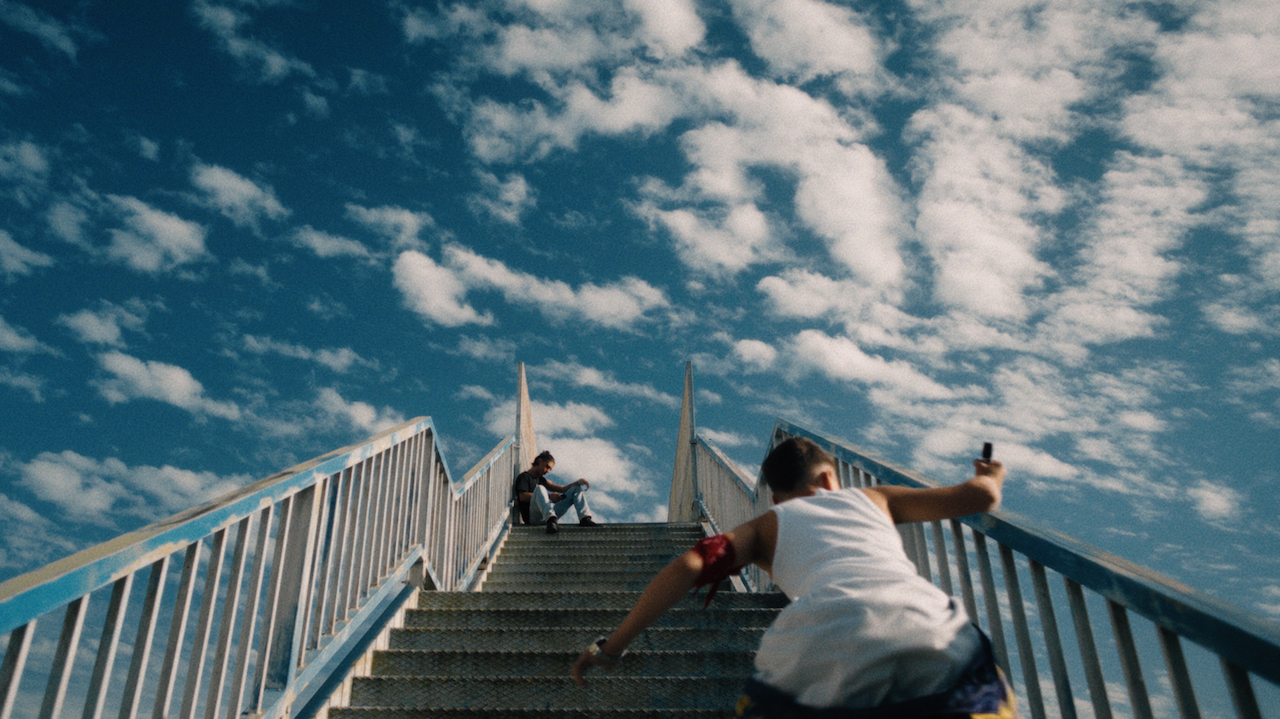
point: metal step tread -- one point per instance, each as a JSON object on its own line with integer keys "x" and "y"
{"x": 571, "y": 599}
{"x": 685, "y": 616}
{"x": 557, "y": 638}
{"x": 612, "y": 713}
{"x": 495, "y": 663}
{"x": 605, "y": 691}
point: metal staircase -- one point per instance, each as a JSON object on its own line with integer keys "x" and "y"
{"x": 506, "y": 650}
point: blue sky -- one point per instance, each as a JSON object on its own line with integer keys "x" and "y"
{"x": 235, "y": 235}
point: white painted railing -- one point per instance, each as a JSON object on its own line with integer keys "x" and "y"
{"x": 1212, "y": 673}
{"x": 255, "y": 603}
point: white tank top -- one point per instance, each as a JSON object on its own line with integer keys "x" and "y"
{"x": 863, "y": 628}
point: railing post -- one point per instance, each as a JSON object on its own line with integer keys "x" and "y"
{"x": 287, "y": 632}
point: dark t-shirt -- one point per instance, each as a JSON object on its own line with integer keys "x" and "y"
{"x": 526, "y": 483}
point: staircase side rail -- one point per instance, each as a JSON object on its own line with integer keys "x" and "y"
{"x": 240, "y": 605}
{"x": 1245, "y": 644}
{"x": 727, "y": 497}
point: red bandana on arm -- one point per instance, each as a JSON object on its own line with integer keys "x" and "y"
{"x": 718, "y": 564}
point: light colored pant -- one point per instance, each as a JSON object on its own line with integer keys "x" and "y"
{"x": 541, "y": 507}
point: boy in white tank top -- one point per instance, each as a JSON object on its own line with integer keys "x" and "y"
{"x": 864, "y": 636}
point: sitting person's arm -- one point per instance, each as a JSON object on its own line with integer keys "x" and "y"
{"x": 562, "y": 488}
{"x": 981, "y": 493}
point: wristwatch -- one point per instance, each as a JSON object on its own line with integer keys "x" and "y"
{"x": 596, "y": 650}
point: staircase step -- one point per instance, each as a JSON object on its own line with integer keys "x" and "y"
{"x": 639, "y": 663}
{"x": 607, "y": 599}
{"x": 614, "y": 713}
{"x": 541, "y": 639}
{"x": 573, "y": 567}
{"x": 605, "y": 692}
{"x": 685, "y": 617}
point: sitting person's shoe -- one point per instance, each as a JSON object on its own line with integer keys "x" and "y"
{"x": 587, "y": 521}
{"x": 552, "y": 525}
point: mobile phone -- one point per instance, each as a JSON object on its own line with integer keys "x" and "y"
{"x": 986, "y": 451}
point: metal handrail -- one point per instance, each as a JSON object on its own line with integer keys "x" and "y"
{"x": 328, "y": 549}
{"x": 1245, "y": 645}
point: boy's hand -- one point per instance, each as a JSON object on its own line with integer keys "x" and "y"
{"x": 585, "y": 484}
{"x": 992, "y": 469}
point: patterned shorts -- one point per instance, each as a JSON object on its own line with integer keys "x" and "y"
{"x": 980, "y": 693}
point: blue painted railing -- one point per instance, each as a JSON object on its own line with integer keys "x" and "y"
{"x": 1228, "y": 648}
{"x": 288, "y": 579}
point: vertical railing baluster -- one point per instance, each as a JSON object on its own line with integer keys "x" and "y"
{"x": 921, "y": 544}
{"x": 317, "y": 542}
{"x": 15, "y": 661}
{"x": 1139, "y": 699}
{"x": 963, "y": 572}
{"x": 200, "y": 647}
{"x": 1021, "y": 633}
{"x": 270, "y": 613}
{"x": 107, "y": 647}
{"x": 227, "y": 625}
{"x": 940, "y": 551}
{"x": 1052, "y": 641}
{"x": 376, "y": 487}
{"x": 302, "y": 539}
{"x": 1088, "y": 650}
{"x": 253, "y": 601}
{"x": 135, "y": 682}
{"x": 360, "y": 536}
{"x": 64, "y": 659}
{"x": 1180, "y": 679}
{"x": 177, "y": 630}
{"x": 995, "y": 626}
{"x": 1240, "y": 687}
{"x": 337, "y": 551}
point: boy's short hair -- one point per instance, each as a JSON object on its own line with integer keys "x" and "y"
{"x": 793, "y": 464}
{"x": 544, "y": 456}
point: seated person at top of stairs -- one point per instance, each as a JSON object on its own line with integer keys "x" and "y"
{"x": 864, "y": 634}
{"x": 542, "y": 501}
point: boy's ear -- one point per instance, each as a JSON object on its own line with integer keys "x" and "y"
{"x": 827, "y": 479}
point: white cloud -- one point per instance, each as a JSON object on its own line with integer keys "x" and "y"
{"x": 66, "y": 222}
{"x": 724, "y": 240}
{"x": 726, "y": 439}
{"x": 435, "y": 292}
{"x": 805, "y": 39}
{"x": 326, "y": 245}
{"x": 29, "y": 383}
{"x": 669, "y": 28}
{"x": 573, "y": 419}
{"x": 138, "y": 379}
{"x": 26, "y": 165}
{"x": 361, "y": 416}
{"x": 1216, "y": 502}
{"x": 51, "y": 32}
{"x": 100, "y": 491}
{"x": 755, "y": 354}
{"x": 590, "y": 377}
{"x": 16, "y": 260}
{"x": 979, "y": 195}
{"x": 506, "y": 199}
{"x": 618, "y": 305}
{"x": 403, "y": 227}
{"x": 154, "y": 241}
{"x": 104, "y": 325}
{"x": 240, "y": 199}
{"x": 19, "y": 340}
{"x": 839, "y": 358}
{"x": 270, "y": 64}
{"x": 339, "y": 360}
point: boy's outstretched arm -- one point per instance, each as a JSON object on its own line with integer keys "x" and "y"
{"x": 981, "y": 493}
{"x": 666, "y": 589}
